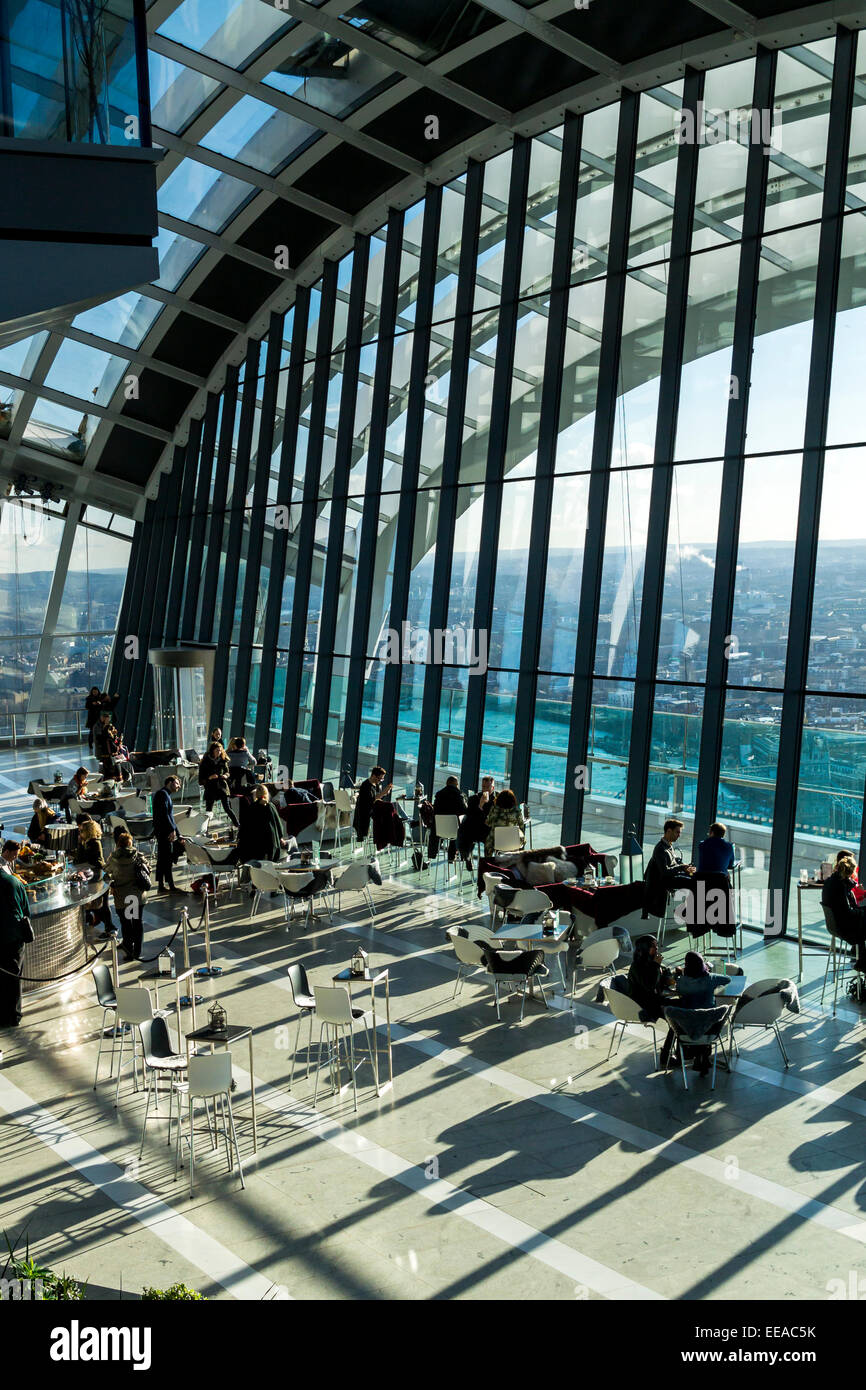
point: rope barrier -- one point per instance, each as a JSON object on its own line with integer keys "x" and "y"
{"x": 55, "y": 979}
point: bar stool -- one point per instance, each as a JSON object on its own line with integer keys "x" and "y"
{"x": 107, "y": 1000}
{"x": 338, "y": 1015}
{"x": 446, "y": 828}
{"x": 305, "y": 1003}
{"x": 134, "y": 1007}
{"x": 209, "y": 1078}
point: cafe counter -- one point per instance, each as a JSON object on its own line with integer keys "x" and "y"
{"x": 60, "y": 947}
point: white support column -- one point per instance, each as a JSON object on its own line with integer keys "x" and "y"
{"x": 58, "y": 583}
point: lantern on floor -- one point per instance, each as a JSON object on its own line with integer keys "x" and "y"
{"x": 632, "y": 850}
{"x": 218, "y": 1018}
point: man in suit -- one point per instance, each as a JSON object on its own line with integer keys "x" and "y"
{"x": 369, "y": 792}
{"x": 665, "y": 872}
{"x": 14, "y": 935}
{"x": 715, "y": 854}
{"x": 448, "y": 801}
{"x": 165, "y": 831}
{"x": 293, "y": 795}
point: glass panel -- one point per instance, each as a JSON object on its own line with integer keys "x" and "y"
{"x": 327, "y": 73}
{"x": 783, "y": 341}
{"x": 231, "y": 31}
{"x": 705, "y": 381}
{"x": 689, "y": 570}
{"x": 563, "y": 578}
{"x": 837, "y": 656}
{"x": 722, "y": 154}
{"x": 622, "y": 576}
{"x": 765, "y": 567}
{"x": 845, "y": 418}
{"x": 609, "y": 742}
{"x": 798, "y": 159}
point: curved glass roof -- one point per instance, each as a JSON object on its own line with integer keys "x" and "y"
{"x": 286, "y": 128}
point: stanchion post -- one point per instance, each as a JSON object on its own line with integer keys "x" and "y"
{"x": 112, "y": 940}
{"x": 207, "y": 931}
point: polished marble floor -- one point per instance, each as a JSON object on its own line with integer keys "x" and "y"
{"x": 507, "y": 1161}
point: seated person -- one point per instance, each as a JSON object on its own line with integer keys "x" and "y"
{"x": 473, "y": 827}
{"x": 697, "y": 990}
{"x": 259, "y": 836}
{"x": 859, "y": 893}
{"x": 647, "y": 984}
{"x": 293, "y": 796}
{"x": 850, "y": 920}
{"x": 448, "y": 801}
{"x": 504, "y": 811}
{"x": 715, "y": 854}
{"x": 242, "y": 766}
{"x": 42, "y": 816}
{"x": 665, "y": 872}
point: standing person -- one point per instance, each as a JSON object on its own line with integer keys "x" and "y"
{"x": 448, "y": 801}
{"x": 15, "y": 932}
{"x": 715, "y": 853}
{"x": 260, "y": 835}
{"x": 504, "y": 811}
{"x": 165, "y": 830}
{"x": 125, "y": 869}
{"x": 104, "y": 743}
{"x": 371, "y": 790}
{"x": 93, "y": 708}
{"x": 665, "y": 871}
{"x": 213, "y": 777}
{"x": 90, "y": 852}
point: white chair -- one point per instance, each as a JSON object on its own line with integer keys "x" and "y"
{"x": 267, "y": 880}
{"x": 134, "y": 1007}
{"x": 355, "y": 878}
{"x": 305, "y": 1002}
{"x": 626, "y": 1011}
{"x": 764, "y": 1012}
{"x": 490, "y": 882}
{"x": 343, "y": 807}
{"x": 527, "y": 902}
{"x": 637, "y": 926}
{"x": 210, "y": 1078}
{"x": 337, "y": 1016}
{"x": 470, "y": 956}
{"x": 107, "y": 1000}
{"x": 506, "y": 839}
{"x": 161, "y": 1059}
{"x": 193, "y": 823}
{"x": 197, "y": 853}
{"x": 596, "y": 957}
{"x": 446, "y": 828}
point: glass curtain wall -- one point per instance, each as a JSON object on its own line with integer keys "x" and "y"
{"x": 462, "y": 501}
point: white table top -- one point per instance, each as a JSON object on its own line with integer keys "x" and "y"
{"x": 532, "y": 931}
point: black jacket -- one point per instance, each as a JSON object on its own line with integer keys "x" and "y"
{"x": 849, "y": 918}
{"x": 295, "y": 795}
{"x": 645, "y": 984}
{"x": 367, "y": 795}
{"x": 449, "y": 801}
{"x": 663, "y": 874}
{"x": 163, "y": 814}
{"x": 260, "y": 831}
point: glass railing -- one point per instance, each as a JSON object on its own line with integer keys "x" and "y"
{"x": 74, "y": 71}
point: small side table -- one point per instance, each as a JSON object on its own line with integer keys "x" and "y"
{"x": 812, "y": 884}
{"x": 373, "y": 978}
{"x": 233, "y": 1033}
{"x": 156, "y": 981}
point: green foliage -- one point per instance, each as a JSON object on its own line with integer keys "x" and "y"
{"x": 56, "y": 1288}
{"x": 177, "y": 1291}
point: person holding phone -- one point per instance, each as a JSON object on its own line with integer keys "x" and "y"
{"x": 371, "y": 790}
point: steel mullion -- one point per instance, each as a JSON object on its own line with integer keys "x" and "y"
{"x": 545, "y": 478}
{"x": 491, "y": 506}
{"x": 279, "y": 540}
{"x": 213, "y": 548}
{"x": 369, "y": 532}
{"x": 405, "y": 534}
{"x": 733, "y": 470}
{"x": 812, "y": 477}
{"x": 246, "y": 632}
{"x": 200, "y": 519}
{"x": 306, "y": 530}
{"x": 663, "y": 472}
{"x": 461, "y": 356}
{"x": 599, "y": 485}
{"x": 186, "y": 459}
{"x": 234, "y": 544}
{"x": 333, "y": 575}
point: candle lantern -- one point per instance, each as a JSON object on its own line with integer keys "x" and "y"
{"x": 218, "y": 1018}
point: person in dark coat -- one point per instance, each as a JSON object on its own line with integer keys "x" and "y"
{"x": 213, "y": 778}
{"x": 15, "y": 932}
{"x": 370, "y": 791}
{"x": 165, "y": 831}
{"x": 93, "y": 709}
{"x": 293, "y": 796}
{"x": 473, "y": 827}
{"x": 665, "y": 872}
{"x": 259, "y": 836}
{"x": 849, "y": 918}
{"x": 647, "y": 982}
{"x": 42, "y": 817}
{"x": 89, "y": 851}
{"x": 715, "y": 853}
{"x": 448, "y": 801}
{"x": 122, "y": 869}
